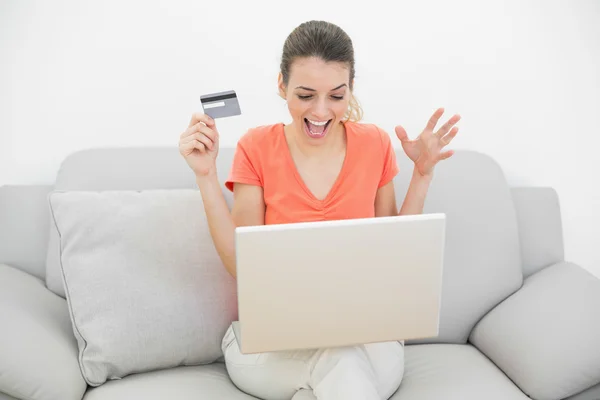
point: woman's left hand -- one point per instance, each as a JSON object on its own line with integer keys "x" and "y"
{"x": 426, "y": 150}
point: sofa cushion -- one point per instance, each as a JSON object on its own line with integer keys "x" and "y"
{"x": 38, "y": 352}
{"x": 138, "y": 168}
{"x": 145, "y": 286}
{"x": 448, "y": 371}
{"x": 208, "y": 382}
{"x": 482, "y": 264}
{"x": 546, "y": 337}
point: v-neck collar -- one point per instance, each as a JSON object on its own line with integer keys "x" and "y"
{"x": 298, "y": 177}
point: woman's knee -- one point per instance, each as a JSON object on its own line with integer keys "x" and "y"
{"x": 382, "y": 364}
{"x": 269, "y": 376}
{"x": 387, "y": 360}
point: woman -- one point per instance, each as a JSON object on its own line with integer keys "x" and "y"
{"x": 324, "y": 165}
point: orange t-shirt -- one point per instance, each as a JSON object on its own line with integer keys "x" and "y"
{"x": 262, "y": 157}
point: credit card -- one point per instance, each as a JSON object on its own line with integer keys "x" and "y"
{"x": 221, "y": 104}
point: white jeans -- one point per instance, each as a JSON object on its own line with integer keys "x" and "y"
{"x": 365, "y": 372}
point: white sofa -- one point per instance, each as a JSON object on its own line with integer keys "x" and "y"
{"x": 518, "y": 321}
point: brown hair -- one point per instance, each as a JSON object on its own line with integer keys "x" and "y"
{"x": 327, "y": 42}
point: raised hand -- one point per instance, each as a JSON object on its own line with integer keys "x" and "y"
{"x": 426, "y": 150}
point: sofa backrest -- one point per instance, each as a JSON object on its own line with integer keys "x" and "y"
{"x": 540, "y": 227}
{"x": 482, "y": 257}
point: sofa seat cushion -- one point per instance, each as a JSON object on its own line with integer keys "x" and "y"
{"x": 38, "y": 351}
{"x": 206, "y": 382}
{"x": 448, "y": 372}
{"x": 546, "y": 337}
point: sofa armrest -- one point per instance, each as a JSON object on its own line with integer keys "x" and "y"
{"x": 540, "y": 227}
{"x": 24, "y": 227}
{"x": 546, "y": 336}
{"x": 38, "y": 351}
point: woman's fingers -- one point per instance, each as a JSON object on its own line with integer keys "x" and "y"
{"x": 191, "y": 130}
{"x": 199, "y": 138}
{"x": 198, "y": 121}
{"x": 201, "y": 133}
{"x": 201, "y": 145}
{"x": 448, "y": 138}
{"x": 201, "y": 117}
{"x": 188, "y": 148}
{"x": 209, "y": 132}
{"x": 448, "y": 125}
{"x": 445, "y": 155}
{"x": 433, "y": 120}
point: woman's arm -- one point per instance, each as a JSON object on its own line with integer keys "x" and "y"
{"x": 385, "y": 200}
{"x": 248, "y": 209}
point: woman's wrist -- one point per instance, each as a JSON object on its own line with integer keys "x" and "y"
{"x": 418, "y": 177}
{"x": 207, "y": 178}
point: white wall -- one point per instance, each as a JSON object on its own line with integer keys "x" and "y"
{"x": 524, "y": 76}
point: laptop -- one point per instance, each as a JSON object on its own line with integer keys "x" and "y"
{"x": 337, "y": 283}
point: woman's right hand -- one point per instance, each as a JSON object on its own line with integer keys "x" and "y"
{"x": 199, "y": 144}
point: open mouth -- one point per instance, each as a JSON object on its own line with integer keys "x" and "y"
{"x": 316, "y": 129}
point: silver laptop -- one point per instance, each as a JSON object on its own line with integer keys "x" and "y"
{"x": 338, "y": 283}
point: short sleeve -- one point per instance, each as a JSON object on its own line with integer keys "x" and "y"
{"x": 243, "y": 168}
{"x": 390, "y": 166}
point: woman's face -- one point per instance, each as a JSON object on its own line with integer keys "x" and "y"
{"x": 317, "y": 95}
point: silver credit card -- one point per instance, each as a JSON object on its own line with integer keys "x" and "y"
{"x": 221, "y": 104}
